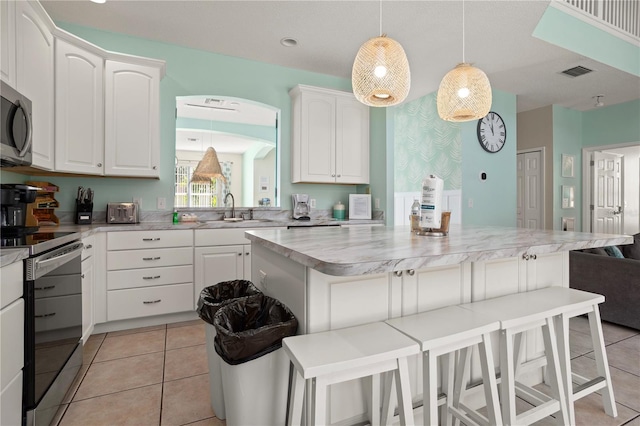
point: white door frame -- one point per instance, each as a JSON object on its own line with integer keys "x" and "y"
{"x": 542, "y": 182}
{"x": 586, "y": 178}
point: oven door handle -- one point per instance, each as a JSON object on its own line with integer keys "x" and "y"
{"x": 53, "y": 260}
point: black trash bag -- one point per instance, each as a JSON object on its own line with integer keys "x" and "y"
{"x": 250, "y": 327}
{"x": 214, "y": 297}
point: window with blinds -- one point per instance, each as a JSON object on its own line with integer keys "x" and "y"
{"x": 195, "y": 194}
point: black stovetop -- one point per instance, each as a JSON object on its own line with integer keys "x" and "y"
{"x": 37, "y": 242}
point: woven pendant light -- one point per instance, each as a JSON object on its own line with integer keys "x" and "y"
{"x": 381, "y": 76}
{"x": 208, "y": 168}
{"x": 465, "y": 92}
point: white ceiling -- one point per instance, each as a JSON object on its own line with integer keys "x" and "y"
{"x": 329, "y": 33}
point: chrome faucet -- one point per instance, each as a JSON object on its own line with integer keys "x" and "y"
{"x": 233, "y": 204}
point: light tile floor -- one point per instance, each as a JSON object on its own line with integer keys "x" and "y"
{"x": 159, "y": 376}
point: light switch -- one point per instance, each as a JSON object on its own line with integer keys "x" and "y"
{"x": 162, "y": 203}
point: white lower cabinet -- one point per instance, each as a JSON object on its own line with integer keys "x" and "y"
{"x": 148, "y": 273}
{"x": 221, "y": 255}
{"x": 11, "y": 343}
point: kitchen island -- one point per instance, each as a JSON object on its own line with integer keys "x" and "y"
{"x": 334, "y": 278}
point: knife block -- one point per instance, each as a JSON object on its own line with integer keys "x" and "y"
{"x": 84, "y": 213}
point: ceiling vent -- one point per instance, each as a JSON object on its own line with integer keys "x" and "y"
{"x": 576, "y": 71}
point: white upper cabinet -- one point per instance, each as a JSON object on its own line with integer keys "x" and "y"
{"x": 79, "y": 120}
{"x": 330, "y": 137}
{"x": 8, "y": 42}
{"x": 34, "y": 76}
{"x": 132, "y": 134}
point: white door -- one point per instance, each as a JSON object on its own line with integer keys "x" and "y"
{"x": 606, "y": 196}
{"x": 529, "y": 178}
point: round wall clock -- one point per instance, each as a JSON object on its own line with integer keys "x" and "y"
{"x": 492, "y": 133}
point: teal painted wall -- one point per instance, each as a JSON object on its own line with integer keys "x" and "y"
{"x": 567, "y": 139}
{"x": 494, "y": 200}
{"x": 574, "y": 130}
{"x": 195, "y": 72}
{"x": 580, "y": 37}
{"x": 612, "y": 125}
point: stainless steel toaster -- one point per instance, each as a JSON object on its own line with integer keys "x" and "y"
{"x": 123, "y": 213}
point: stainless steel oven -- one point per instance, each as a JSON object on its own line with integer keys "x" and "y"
{"x": 53, "y": 323}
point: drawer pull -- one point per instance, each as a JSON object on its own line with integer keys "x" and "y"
{"x": 151, "y": 239}
{"x": 397, "y": 273}
{"x": 239, "y": 254}
{"x": 88, "y": 247}
{"x": 45, "y": 315}
{"x": 151, "y": 258}
{"x": 411, "y": 272}
{"x": 151, "y": 278}
{"x": 247, "y": 254}
{"x": 149, "y": 302}
{"x": 47, "y": 287}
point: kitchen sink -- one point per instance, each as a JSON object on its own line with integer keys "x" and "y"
{"x": 238, "y": 219}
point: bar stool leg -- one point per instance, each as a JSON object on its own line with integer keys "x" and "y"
{"x": 564, "y": 354}
{"x": 461, "y": 381}
{"x": 554, "y": 370}
{"x": 430, "y": 387}
{"x": 403, "y": 390}
{"x": 507, "y": 382}
{"x": 389, "y": 400}
{"x": 374, "y": 399}
{"x": 319, "y": 404}
{"x": 489, "y": 381}
{"x": 602, "y": 363}
{"x": 296, "y": 398}
{"x": 448, "y": 361}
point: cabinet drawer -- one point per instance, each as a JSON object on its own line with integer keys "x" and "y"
{"x": 130, "y": 259}
{"x": 11, "y": 402}
{"x": 11, "y": 277}
{"x": 149, "y": 239}
{"x": 11, "y": 341}
{"x": 144, "y": 302}
{"x": 89, "y": 243}
{"x": 148, "y": 277}
{"x": 54, "y": 313}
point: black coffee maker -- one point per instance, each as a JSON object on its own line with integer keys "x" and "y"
{"x": 13, "y": 209}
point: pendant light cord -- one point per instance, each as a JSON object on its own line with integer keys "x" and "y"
{"x": 380, "y": 17}
{"x": 463, "y": 31}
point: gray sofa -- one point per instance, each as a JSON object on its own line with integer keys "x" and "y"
{"x": 617, "y": 279}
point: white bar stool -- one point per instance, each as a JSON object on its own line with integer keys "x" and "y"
{"x": 518, "y": 313}
{"x": 444, "y": 331}
{"x": 572, "y": 303}
{"x": 340, "y": 355}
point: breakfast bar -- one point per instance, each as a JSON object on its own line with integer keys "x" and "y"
{"x": 336, "y": 278}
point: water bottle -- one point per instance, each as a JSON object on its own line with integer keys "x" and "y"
{"x": 415, "y": 216}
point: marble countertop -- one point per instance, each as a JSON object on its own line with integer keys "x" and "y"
{"x": 368, "y": 250}
{"x": 12, "y": 255}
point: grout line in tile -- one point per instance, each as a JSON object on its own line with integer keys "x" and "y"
{"x": 116, "y": 392}
{"x": 632, "y": 419}
{"x": 164, "y": 365}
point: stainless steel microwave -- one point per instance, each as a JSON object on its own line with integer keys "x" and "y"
{"x": 16, "y": 128}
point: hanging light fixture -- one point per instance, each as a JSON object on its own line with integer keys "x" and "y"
{"x": 380, "y": 76}
{"x": 599, "y": 102}
{"x": 208, "y": 168}
{"x": 465, "y": 92}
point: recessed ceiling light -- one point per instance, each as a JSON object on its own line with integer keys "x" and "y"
{"x": 289, "y": 42}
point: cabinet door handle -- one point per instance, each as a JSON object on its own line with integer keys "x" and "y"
{"x": 82, "y": 276}
{"x": 247, "y": 253}
{"x": 397, "y": 273}
{"x": 151, "y": 258}
{"x": 534, "y": 257}
{"x": 88, "y": 247}
{"x": 149, "y": 302}
{"x": 526, "y": 256}
{"x": 47, "y": 287}
{"x": 151, "y": 239}
{"x": 411, "y": 272}
{"x": 151, "y": 278}
{"x": 333, "y": 175}
{"x": 155, "y": 167}
{"x": 45, "y": 315}
{"x": 339, "y": 175}
{"x": 239, "y": 254}
{"x": 99, "y": 164}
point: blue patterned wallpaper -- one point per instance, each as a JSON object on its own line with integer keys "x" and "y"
{"x": 425, "y": 144}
